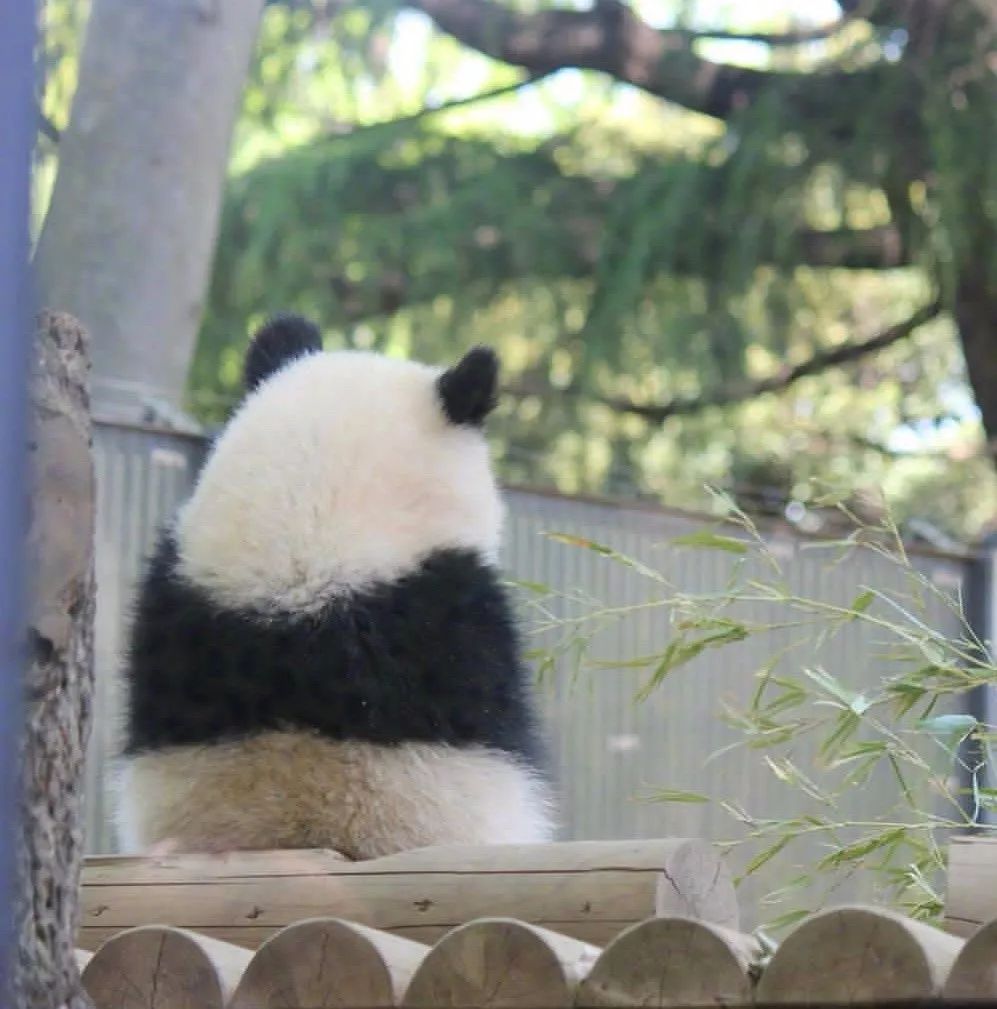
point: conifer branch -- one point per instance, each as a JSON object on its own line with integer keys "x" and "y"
{"x": 741, "y": 392}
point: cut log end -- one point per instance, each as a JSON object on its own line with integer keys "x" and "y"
{"x": 672, "y": 962}
{"x": 974, "y": 973}
{"x": 696, "y": 883}
{"x": 500, "y": 963}
{"x": 330, "y": 963}
{"x": 858, "y": 954}
{"x": 164, "y": 968}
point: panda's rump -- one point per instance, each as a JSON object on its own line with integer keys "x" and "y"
{"x": 298, "y": 789}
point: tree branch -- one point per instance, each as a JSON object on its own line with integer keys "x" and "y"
{"x": 794, "y": 37}
{"x": 878, "y": 248}
{"x": 741, "y": 392}
{"x": 448, "y": 106}
{"x": 611, "y": 38}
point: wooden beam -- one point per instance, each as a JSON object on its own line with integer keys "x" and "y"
{"x": 590, "y": 890}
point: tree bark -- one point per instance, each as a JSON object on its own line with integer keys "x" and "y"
{"x": 129, "y": 237}
{"x": 610, "y": 37}
{"x": 59, "y": 685}
{"x": 976, "y": 319}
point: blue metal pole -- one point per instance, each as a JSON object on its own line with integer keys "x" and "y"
{"x": 17, "y": 125}
{"x": 981, "y": 603}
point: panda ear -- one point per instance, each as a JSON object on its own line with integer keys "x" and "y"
{"x": 279, "y": 341}
{"x": 469, "y": 390}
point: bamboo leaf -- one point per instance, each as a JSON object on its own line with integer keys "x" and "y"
{"x": 846, "y": 724}
{"x": 859, "y": 849}
{"x": 570, "y": 540}
{"x": 676, "y": 795}
{"x": 948, "y": 725}
{"x": 640, "y": 662}
{"x": 711, "y": 541}
{"x": 537, "y": 588}
{"x": 767, "y": 855}
{"x": 829, "y": 684}
{"x": 682, "y": 651}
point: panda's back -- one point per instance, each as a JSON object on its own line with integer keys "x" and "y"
{"x": 431, "y": 657}
{"x": 322, "y": 652}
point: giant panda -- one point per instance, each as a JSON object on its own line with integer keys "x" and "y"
{"x": 322, "y": 652}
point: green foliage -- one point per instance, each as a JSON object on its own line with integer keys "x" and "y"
{"x": 60, "y": 32}
{"x": 822, "y": 733}
{"x": 613, "y": 246}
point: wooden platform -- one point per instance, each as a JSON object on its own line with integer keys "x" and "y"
{"x": 589, "y": 890}
{"x": 584, "y": 925}
{"x": 847, "y": 956}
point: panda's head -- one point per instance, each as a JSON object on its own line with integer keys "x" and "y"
{"x": 340, "y": 471}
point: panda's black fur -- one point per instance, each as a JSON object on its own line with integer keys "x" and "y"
{"x": 467, "y": 390}
{"x": 284, "y": 338}
{"x": 430, "y": 658}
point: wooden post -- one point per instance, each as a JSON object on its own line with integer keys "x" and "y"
{"x": 858, "y": 954}
{"x": 672, "y": 961}
{"x": 974, "y": 973}
{"x": 156, "y": 967}
{"x": 590, "y": 890}
{"x": 329, "y": 963}
{"x": 59, "y": 685}
{"x": 499, "y": 963}
{"x": 972, "y": 884}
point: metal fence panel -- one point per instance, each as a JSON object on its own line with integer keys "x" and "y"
{"x": 142, "y": 476}
{"x": 610, "y": 751}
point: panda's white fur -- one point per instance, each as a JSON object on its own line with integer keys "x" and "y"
{"x": 338, "y": 474}
{"x": 340, "y": 471}
{"x": 364, "y": 800}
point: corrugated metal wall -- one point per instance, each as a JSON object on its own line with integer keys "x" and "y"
{"x": 142, "y": 475}
{"x": 610, "y": 750}
{"x": 615, "y": 751}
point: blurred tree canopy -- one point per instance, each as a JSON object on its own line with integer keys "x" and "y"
{"x": 713, "y": 242}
